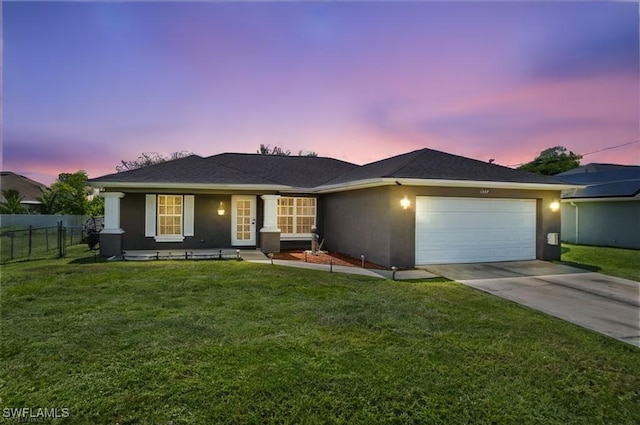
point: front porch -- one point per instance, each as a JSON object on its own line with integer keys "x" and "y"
{"x": 193, "y": 254}
{"x": 231, "y": 221}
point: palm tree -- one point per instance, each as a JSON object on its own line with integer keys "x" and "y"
{"x": 47, "y": 202}
{"x": 11, "y": 204}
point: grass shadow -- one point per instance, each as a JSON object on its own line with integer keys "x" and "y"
{"x": 589, "y": 267}
{"x": 91, "y": 258}
{"x": 438, "y": 279}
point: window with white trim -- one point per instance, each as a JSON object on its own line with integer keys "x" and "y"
{"x": 169, "y": 218}
{"x": 296, "y": 216}
{"x": 169, "y": 215}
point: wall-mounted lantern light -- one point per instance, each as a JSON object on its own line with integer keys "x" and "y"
{"x": 405, "y": 203}
{"x": 221, "y": 210}
{"x": 555, "y": 205}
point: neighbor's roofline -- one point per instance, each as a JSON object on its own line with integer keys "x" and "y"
{"x": 602, "y": 199}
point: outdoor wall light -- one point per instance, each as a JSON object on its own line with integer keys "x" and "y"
{"x": 555, "y": 206}
{"x": 405, "y": 203}
{"x": 221, "y": 208}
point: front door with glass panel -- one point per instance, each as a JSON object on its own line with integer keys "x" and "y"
{"x": 243, "y": 220}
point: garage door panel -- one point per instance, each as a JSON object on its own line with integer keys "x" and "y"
{"x": 486, "y": 239}
{"x": 456, "y": 230}
{"x": 479, "y": 219}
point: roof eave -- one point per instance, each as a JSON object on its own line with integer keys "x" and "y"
{"x": 388, "y": 181}
{"x": 340, "y": 187}
{"x": 187, "y": 186}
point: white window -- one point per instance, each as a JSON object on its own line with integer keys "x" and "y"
{"x": 296, "y": 216}
{"x": 169, "y": 218}
{"x": 169, "y": 215}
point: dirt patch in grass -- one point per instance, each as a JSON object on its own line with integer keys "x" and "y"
{"x": 326, "y": 257}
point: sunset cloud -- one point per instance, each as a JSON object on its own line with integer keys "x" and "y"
{"x": 89, "y": 84}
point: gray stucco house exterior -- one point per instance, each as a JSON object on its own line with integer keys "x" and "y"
{"x": 422, "y": 207}
{"x": 606, "y": 210}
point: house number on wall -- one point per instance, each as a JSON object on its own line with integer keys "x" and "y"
{"x": 484, "y": 192}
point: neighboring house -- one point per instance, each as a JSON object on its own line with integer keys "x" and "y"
{"x": 422, "y": 207}
{"x": 607, "y": 211}
{"x": 30, "y": 190}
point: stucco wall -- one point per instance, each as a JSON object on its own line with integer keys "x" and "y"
{"x": 357, "y": 223}
{"x": 604, "y": 223}
{"x": 367, "y": 222}
{"x": 210, "y": 229}
{"x": 372, "y": 222}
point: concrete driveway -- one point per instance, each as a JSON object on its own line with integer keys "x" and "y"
{"x": 605, "y": 304}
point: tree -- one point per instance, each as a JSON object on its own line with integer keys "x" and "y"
{"x": 308, "y": 153}
{"x": 276, "y": 150}
{"x": 48, "y": 202}
{"x": 12, "y": 202}
{"x": 150, "y": 158}
{"x": 95, "y": 206}
{"x": 71, "y": 191}
{"x": 552, "y": 161}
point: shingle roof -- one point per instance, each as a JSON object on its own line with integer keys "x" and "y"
{"x": 603, "y": 180}
{"x": 29, "y": 189}
{"x": 432, "y": 164}
{"x": 594, "y": 167}
{"x": 312, "y": 172}
{"x": 234, "y": 168}
{"x": 296, "y": 171}
{"x": 191, "y": 169}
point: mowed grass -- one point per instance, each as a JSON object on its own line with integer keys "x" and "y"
{"x": 619, "y": 262}
{"x": 182, "y": 342}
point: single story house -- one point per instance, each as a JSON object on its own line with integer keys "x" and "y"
{"x": 29, "y": 190}
{"x": 606, "y": 211}
{"x": 418, "y": 208}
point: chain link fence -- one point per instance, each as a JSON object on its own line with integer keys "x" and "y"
{"x": 39, "y": 242}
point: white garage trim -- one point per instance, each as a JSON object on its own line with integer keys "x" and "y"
{"x": 474, "y": 230}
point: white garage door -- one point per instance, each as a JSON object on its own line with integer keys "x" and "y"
{"x": 470, "y": 230}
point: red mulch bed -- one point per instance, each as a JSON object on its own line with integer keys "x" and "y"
{"x": 325, "y": 258}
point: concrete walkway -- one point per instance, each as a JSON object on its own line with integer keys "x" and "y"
{"x": 256, "y": 256}
{"x": 321, "y": 267}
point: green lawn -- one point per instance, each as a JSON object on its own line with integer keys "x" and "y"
{"x": 209, "y": 342}
{"x": 612, "y": 261}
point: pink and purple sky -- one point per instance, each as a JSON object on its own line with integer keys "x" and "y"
{"x": 87, "y": 84}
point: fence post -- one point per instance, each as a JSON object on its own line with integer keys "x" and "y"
{"x": 12, "y": 237}
{"x": 30, "y": 238}
{"x": 64, "y": 241}
{"x": 60, "y": 242}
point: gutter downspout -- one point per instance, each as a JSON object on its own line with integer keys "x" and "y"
{"x": 573, "y": 204}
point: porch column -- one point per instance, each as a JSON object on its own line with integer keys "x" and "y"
{"x": 270, "y": 234}
{"x": 111, "y": 235}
